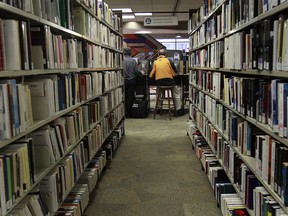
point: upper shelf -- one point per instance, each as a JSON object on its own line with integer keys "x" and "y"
{"x": 14, "y": 13}
{"x": 259, "y": 18}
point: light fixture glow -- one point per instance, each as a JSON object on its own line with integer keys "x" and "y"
{"x": 178, "y": 36}
{"x": 124, "y": 10}
{"x": 128, "y": 17}
{"x": 143, "y": 32}
{"x": 143, "y": 14}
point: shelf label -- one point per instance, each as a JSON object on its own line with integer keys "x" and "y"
{"x": 161, "y": 21}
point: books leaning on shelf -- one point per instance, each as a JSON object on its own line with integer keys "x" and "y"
{"x": 24, "y": 47}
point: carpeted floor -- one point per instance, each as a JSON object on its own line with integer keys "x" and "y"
{"x": 154, "y": 173}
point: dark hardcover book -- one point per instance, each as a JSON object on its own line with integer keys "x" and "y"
{"x": 24, "y": 45}
{"x": 237, "y": 169}
{"x": 283, "y": 157}
{"x": 225, "y": 188}
{"x": 255, "y": 41}
{"x": 268, "y": 48}
{"x": 251, "y": 183}
{"x": 280, "y": 41}
{"x": 284, "y": 192}
{"x": 60, "y": 93}
{"x": 63, "y": 13}
{"x": 260, "y": 45}
{"x": 252, "y": 132}
{"x": 277, "y": 161}
{"x": 87, "y": 154}
{"x": 254, "y": 97}
{"x": 244, "y": 98}
{"x": 38, "y": 38}
{"x": 6, "y": 179}
{"x": 234, "y": 130}
{"x": 85, "y": 54}
{"x": 29, "y": 44}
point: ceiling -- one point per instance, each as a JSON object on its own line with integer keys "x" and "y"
{"x": 179, "y": 8}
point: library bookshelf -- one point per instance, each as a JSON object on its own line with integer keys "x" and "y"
{"x": 238, "y": 90}
{"x": 61, "y": 103}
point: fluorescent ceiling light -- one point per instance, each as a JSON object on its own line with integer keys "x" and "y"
{"x": 143, "y": 32}
{"x": 178, "y": 36}
{"x": 128, "y": 17}
{"x": 143, "y": 14}
{"x": 124, "y": 10}
{"x": 172, "y": 40}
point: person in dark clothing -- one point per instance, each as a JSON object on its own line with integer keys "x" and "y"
{"x": 131, "y": 72}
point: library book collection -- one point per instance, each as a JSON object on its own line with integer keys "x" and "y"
{"x": 238, "y": 92}
{"x": 61, "y": 103}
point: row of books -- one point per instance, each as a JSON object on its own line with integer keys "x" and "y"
{"x": 62, "y": 12}
{"x": 270, "y": 155}
{"x": 110, "y": 100}
{"x": 111, "y": 120}
{"x": 242, "y": 177}
{"x": 43, "y": 148}
{"x": 105, "y": 13}
{"x": 76, "y": 201}
{"x": 224, "y": 190}
{"x": 266, "y": 101}
{"x": 205, "y": 10}
{"x": 270, "y": 96}
{"x": 46, "y": 146}
{"x": 41, "y": 97}
{"x": 262, "y": 47}
{"x": 231, "y": 15}
{"x": 26, "y": 47}
{"x": 91, "y": 174}
{"x": 207, "y": 81}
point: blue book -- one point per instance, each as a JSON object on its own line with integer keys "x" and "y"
{"x": 234, "y": 130}
{"x": 251, "y": 183}
{"x": 248, "y": 140}
{"x": 274, "y": 105}
{"x": 285, "y": 95}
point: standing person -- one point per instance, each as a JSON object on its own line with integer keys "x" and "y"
{"x": 131, "y": 72}
{"x": 164, "y": 71}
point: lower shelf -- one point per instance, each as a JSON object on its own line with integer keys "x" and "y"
{"x": 66, "y": 187}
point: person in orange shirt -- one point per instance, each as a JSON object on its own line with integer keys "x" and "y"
{"x": 164, "y": 72}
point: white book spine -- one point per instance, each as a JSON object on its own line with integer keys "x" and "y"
{"x": 12, "y": 44}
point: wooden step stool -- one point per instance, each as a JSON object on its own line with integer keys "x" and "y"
{"x": 165, "y": 98}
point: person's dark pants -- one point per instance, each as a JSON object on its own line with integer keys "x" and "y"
{"x": 130, "y": 87}
{"x": 175, "y": 91}
{"x": 166, "y": 82}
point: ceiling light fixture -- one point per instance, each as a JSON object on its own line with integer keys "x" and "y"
{"x": 124, "y": 10}
{"x": 143, "y": 32}
{"x": 143, "y": 14}
{"x": 128, "y": 17}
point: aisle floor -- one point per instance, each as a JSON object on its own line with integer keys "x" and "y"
{"x": 154, "y": 173}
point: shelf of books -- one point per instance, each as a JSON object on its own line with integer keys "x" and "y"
{"x": 61, "y": 103}
{"x": 238, "y": 92}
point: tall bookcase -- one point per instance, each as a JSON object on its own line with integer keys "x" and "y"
{"x": 238, "y": 90}
{"x": 61, "y": 102}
